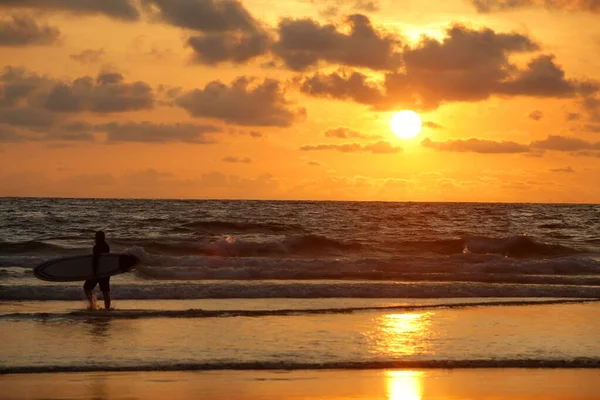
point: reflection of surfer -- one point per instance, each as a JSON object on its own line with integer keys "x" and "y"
{"x": 99, "y": 248}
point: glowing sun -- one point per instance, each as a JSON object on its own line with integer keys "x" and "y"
{"x": 406, "y": 124}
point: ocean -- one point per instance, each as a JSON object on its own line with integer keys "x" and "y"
{"x": 283, "y": 285}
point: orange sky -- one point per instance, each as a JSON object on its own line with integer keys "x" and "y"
{"x": 292, "y": 99}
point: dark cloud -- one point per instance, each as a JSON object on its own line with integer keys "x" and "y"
{"x": 474, "y": 145}
{"x": 146, "y": 132}
{"x": 488, "y": 6}
{"x": 314, "y": 163}
{"x": 339, "y": 85}
{"x": 565, "y": 170}
{"x": 347, "y": 133}
{"x": 24, "y": 31}
{"x": 107, "y": 94}
{"x": 367, "y": 5}
{"x": 563, "y": 143}
{"x": 380, "y": 147}
{"x": 304, "y": 42}
{"x": 9, "y": 135}
{"x": 536, "y": 115}
{"x": 241, "y": 103}
{"x": 467, "y": 65}
{"x": 595, "y": 128}
{"x": 241, "y": 160}
{"x": 119, "y": 9}
{"x": 432, "y": 125}
{"x": 573, "y": 116}
{"x": 541, "y": 78}
{"x": 227, "y": 31}
{"x": 255, "y": 134}
{"x": 30, "y": 117}
{"x": 88, "y": 56}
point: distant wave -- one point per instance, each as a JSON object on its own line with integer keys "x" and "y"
{"x": 229, "y": 227}
{"x": 519, "y": 246}
{"x": 198, "y": 313}
{"x": 233, "y": 247}
{"x": 309, "y": 289}
{"x": 29, "y": 246}
{"x": 584, "y": 362}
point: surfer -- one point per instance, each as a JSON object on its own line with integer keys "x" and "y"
{"x": 100, "y": 247}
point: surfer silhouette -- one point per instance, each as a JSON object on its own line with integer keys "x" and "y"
{"x": 100, "y": 247}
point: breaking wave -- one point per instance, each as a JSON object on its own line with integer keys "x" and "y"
{"x": 583, "y": 362}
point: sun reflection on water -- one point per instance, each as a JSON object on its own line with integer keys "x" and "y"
{"x": 402, "y": 334}
{"x": 403, "y": 385}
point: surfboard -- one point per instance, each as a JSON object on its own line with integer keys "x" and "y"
{"x": 79, "y": 268}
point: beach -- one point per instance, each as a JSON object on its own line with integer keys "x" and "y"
{"x": 260, "y": 300}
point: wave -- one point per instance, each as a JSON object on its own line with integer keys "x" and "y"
{"x": 520, "y": 246}
{"x": 580, "y": 362}
{"x": 198, "y": 313}
{"x": 216, "y": 226}
{"x": 233, "y": 247}
{"x": 303, "y": 290}
{"x": 29, "y": 246}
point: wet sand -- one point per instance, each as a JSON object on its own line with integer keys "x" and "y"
{"x": 438, "y": 384}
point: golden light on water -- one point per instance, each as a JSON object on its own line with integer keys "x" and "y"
{"x": 401, "y": 334}
{"x": 403, "y": 385}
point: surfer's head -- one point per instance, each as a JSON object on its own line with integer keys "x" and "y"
{"x": 100, "y": 237}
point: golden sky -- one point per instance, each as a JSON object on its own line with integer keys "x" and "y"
{"x": 293, "y": 99}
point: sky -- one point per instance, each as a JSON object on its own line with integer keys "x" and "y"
{"x": 293, "y": 99}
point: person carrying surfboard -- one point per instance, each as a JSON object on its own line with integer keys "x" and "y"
{"x": 100, "y": 247}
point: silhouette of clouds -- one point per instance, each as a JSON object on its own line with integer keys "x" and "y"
{"x": 536, "y": 115}
{"x": 573, "y": 116}
{"x": 146, "y": 132}
{"x": 226, "y": 30}
{"x": 314, "y": 163}
{"x": 242, "y": 103}
{"x": 432, "y": 125}
{"x": 595, "y": 128}
{"x": 563, "y": 170}
{"x": 305, "y": 42}
{"x": 380, "y": 147}
{"x": 119, "y": 9}
{"x": 237, "y": 160}
{"x": 474, "y": 145}
{"x": 347, "y": 133}
{"x": 22, "y": 30}
{"x": 10, "y": 135}
{"x": 467, "y": 65}
{"x": 489, "y": 6}
{"x": 88, "y": 56}
{"x": 108, "y": 93}
{"x": 563, "y": 143}
{"x": 340, "y": 85}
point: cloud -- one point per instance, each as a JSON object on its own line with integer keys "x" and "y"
{"x": 119, "y": 9}
{"x": 314, "y": 164}
{"x": 304, "y": 43}
{"x": 339, "y": 85}
{"x": 88, "y": 56}
{"x": 474, "y": 145}
{"x": 9, "y": 135}
{"x": 467, "y": 65}
{"x": 146, "y": 132}
{"x": 432, "y": 125}
{"x": 227, "y": 31}
{"x": 595, "y": 128}
{"x": 380, "y": 147}
{"x": 536, "y": 115}
{"x": 489, "y": 6}
{"x": 108, "y": 93}
{"x": 573, "y": 116}
{"x": 241, "y": 103}
{"x": 565, "y": 170}
{"x": 347, "y": 133}
{"x": 22, "y": 30}
{"x": 242, "y": 160}
{"x": 563, "y": 143}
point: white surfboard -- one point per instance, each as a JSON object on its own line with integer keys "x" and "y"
{"x": 80, "y": 268}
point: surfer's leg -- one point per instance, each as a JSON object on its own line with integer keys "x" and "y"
{"x": 105, "y": 288}
{"x": 88, "y": 287}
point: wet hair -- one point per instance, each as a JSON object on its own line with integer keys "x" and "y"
{"x": 100, "y": 237}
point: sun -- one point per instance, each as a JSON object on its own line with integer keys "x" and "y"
{"x": 406, "y": 124}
